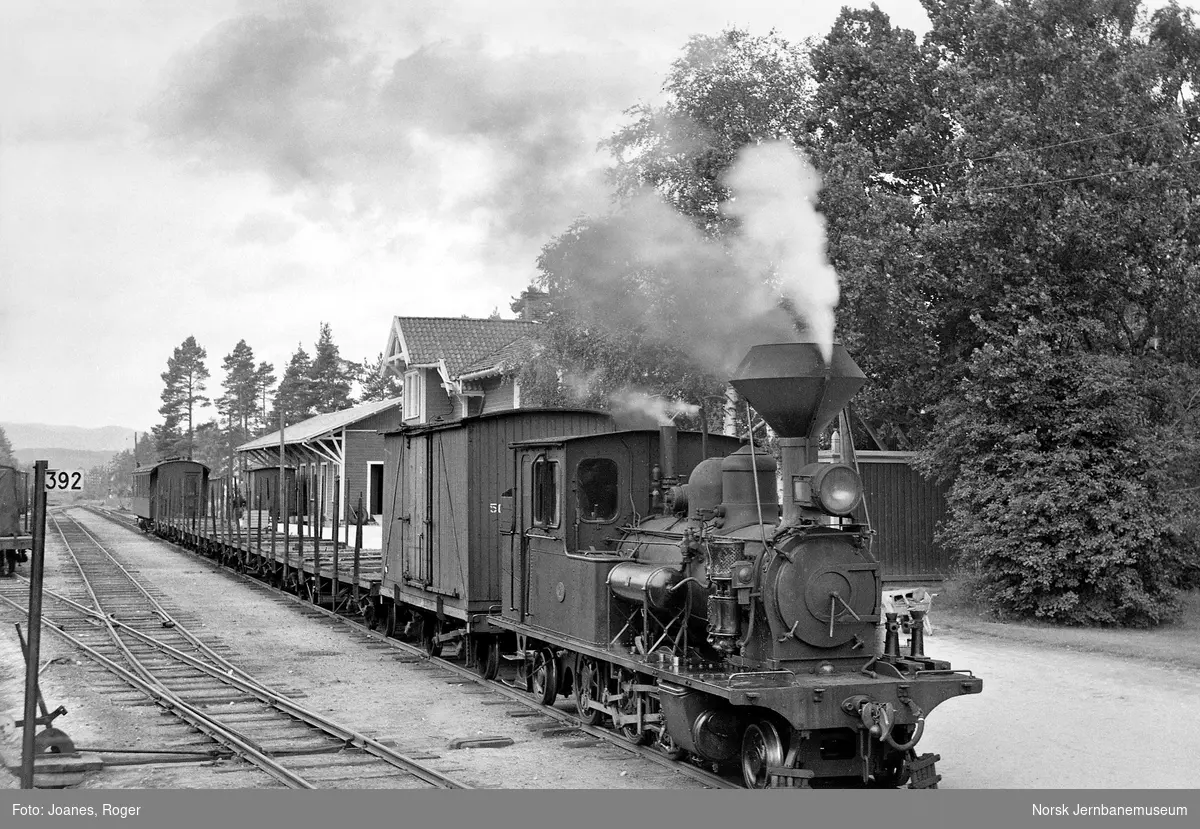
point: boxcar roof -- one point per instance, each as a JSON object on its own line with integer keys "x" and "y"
{"x": 423, "y": 428}
{"x": 144, "y": 469}
{"x": 565, "y": 439}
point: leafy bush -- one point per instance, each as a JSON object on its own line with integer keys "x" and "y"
{"x": 1061, "y": 500}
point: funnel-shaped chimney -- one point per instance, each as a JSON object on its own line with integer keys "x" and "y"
{"x": 798, "y": 395}
{"x": 793, "y": 389}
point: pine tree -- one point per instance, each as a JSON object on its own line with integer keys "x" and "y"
{"x": 294, "y": 396}
{"x": 376, "y": 384}
{"x": 6, "y": 451}
{"x": 240, "y": 401}
{"x": 264, "y": 378}
{"x": 166, "y": 438}
{"x": 184, "y": 392}
{"x": 330, "y": 375}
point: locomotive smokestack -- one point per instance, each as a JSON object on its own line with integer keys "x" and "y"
{"x": 798, "y": 394}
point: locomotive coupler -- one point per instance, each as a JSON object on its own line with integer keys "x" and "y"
{"x": 879, "y": 718}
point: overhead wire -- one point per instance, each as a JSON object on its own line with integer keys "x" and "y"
{"x": 1072, "y": 142}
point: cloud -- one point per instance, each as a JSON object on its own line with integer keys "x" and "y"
{"x": 264, "y": 228}
{"x": 363, "y": 130}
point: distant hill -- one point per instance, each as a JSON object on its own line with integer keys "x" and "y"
{"x": 109, "y": 439}
{"x": 82, "y": 459}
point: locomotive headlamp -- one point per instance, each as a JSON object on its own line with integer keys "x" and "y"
{"x": 834, "y": 489}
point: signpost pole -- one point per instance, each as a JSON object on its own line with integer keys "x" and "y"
{"x": 36, "y": 573}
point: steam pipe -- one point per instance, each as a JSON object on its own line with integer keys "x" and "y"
{"x": 669, "y": 449}
{"x": 754, "y": 467}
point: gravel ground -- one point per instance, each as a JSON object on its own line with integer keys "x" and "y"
{"x": 1060, "y": 708}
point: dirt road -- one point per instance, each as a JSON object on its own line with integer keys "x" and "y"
{"x": 1052, "y": 718}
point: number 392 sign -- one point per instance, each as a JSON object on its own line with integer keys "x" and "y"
{"x": 64, "y": 480}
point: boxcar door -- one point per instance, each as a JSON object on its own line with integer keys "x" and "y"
{"x": 415, "y": 484}
{"x": 192, "y": 489}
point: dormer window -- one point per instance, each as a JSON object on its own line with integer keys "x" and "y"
{"x": 414, "y": 398}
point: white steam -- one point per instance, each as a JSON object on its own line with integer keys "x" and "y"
{"x": 662, "y": 410}
{"x": 774, "y": 196}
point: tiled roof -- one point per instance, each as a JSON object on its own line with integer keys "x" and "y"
{"x": 510, "y": 356}
{"x": 463, "y": 343}
{"x": 322, "y": 424}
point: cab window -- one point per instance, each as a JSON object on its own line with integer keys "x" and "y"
{"x": 545, "y": 493}
{"x": 596, "y": 495}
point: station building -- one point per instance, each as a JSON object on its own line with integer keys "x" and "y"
{"x": 457, "y": 367}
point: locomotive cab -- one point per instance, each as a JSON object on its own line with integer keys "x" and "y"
{"x": 574, "y": 500}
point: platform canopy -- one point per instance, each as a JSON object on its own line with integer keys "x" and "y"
{"x": 323, "y": 436}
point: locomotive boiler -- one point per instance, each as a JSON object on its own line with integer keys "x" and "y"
{"x": 714, "y": 617}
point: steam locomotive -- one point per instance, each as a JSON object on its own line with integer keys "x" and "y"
{"x": 652, "y": 575}
{"x": 717, "y": 624}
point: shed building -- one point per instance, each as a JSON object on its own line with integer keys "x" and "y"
{"x": 335, "y": 456}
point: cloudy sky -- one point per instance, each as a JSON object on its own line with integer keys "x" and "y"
{"x": 236, "y": 169}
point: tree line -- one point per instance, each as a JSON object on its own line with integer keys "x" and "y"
{"x": 1010, "y": 206}
{"x": 249, "y": 405}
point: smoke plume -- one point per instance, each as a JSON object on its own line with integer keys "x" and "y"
{"x": 648, "y": 271}
{"x": 781, "y": 233}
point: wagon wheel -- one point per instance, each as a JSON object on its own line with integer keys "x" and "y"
{"x": 487, "y": 656}
{"x": 543, "y": 677}
{"x": 389, "y": 621}
{"x": 629, "y": 705}
{"x": 761, "y": 750}
{"x": 589, "y": 687}
{"x": 428, "y": 630}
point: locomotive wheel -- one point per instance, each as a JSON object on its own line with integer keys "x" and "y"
{"x": 629, "y": 705}
{"x": 543, "y": 677}
{"x": 589, "y": 687}
{"x": 487, "y": 656}
{"x": 761, "y": 750}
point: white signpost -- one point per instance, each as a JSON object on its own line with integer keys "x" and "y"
{"x": 64, "y": 480}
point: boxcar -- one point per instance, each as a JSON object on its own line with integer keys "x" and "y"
{"x": 15, "y": 538}
{"x": 443, "y": 485}
{"x": 170, "y": 493}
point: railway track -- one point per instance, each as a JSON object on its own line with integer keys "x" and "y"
{"x": 120, "y": 624}
{"x": 560, "y": 718}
